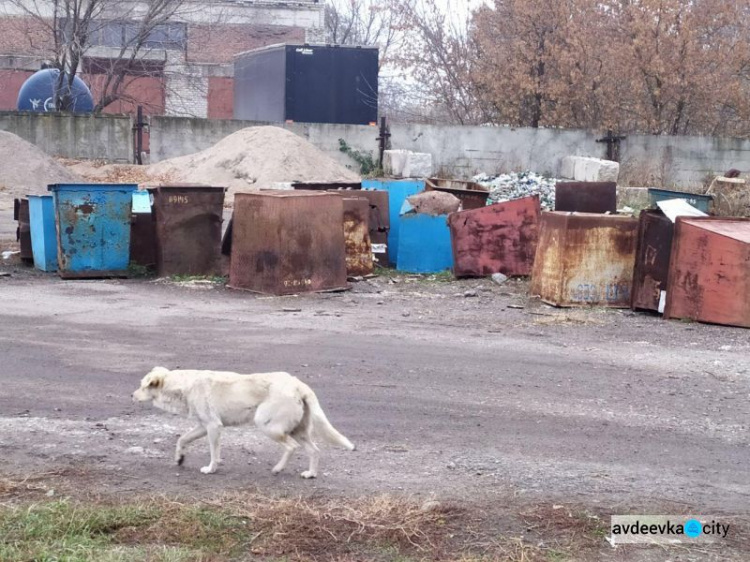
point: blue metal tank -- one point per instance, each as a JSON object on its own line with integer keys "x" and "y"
{"x": 38, "y": 93}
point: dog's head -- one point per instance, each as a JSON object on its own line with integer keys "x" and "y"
{"x": 151, "y": 385}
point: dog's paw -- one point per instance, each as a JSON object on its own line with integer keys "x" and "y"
{"x": 208, "y": 469}
{"x": 275, "y": 470}
{"x": 179, "y": 459}
{"x": 308, "y": 474}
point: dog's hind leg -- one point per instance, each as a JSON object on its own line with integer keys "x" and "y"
{"x": 214, "y": 433}
{"x": 312, "y": 451}
{"x": 189, "y": 437}
{"x": 289, "y": 447}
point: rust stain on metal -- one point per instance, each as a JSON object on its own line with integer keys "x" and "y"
{"x": 286, "y": 242}
{"x": 357, "y": 236}
{"x": 326, "y": 186}
{"x": 585, "y": 259}
{"x": 379, "y": 224}
{"x": 654, "y": 247}
{"x": 188, "y": 229}
{"x": 500, "y": 238}
{"x": 709, "y": 271}
{"x": 586, "y": 196}
{"x": 471, "y": 194}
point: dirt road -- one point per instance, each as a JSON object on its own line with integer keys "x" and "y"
{"x": 459, "y": 396}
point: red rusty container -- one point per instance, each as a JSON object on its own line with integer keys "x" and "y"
{"x": 357, "y": 235}
{"x": 498, "y": 238}
{"x": 286, "y": 242}
{"x": 654, "y": 247}
{"x": 471, "y": 194}
{"x": 586, "y": 196}
{"x": 585, "y": 259}
{"x": 709, "y": 271}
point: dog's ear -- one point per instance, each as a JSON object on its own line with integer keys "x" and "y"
{"x": 156, "y": 377}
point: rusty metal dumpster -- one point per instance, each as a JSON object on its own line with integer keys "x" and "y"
{"x": 93, "y": 229}
{"x": 585, "y": 259}
{"x": 188, "y": 229}
{"x": 357, "y": 235}
{"x": 586, "y": 196}
{"x": 23, "y": 231}
{"x": 286, "y": 242}
{"x": 471, "y": 194}
{"x": 499, "y": 238}
{"x": 709, "y": 271}
{"x": 653, "y": 250}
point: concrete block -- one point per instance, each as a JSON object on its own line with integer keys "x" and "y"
{"x": 583, "y": 168}
{"x": 418, "y": 165}
{"x": 394, "y": 162}
{"x": 567, "y": 169}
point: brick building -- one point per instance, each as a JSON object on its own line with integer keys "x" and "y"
{"x": 187, "y": 67}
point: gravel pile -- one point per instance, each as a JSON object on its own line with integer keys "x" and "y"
{"x": 505, "y": 187}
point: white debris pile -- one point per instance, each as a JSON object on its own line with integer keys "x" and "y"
{"x": 506, "y": 187}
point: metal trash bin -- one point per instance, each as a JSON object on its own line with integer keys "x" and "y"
{"x": 43, "y": 234}
{"x": 286, "y": 242}
{"x": 93, "y": 229}
{"x": 357, "y": 235}
{"x": 584, "y": 259}
{"x": 23, "y": 231}
{"x": 471, "y": 194}
{"x": 398, "y": 191}
{"x": 499, "y": 238}
{"x": 586, "y": 196}
{"x": 700, "y": 202}
{"x": 188, "y": 229}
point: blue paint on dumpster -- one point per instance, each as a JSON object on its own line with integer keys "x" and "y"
{"x": 424, "y": 244}
{"x": 43, "y": 235}
{"x": 93, "y": 229}
{"x": 398, "y": 191}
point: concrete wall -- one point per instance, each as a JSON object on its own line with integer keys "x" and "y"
{"x": 464, "y": 151}
{"x": 74, "y": 136}
{"x": 461, "y": 151}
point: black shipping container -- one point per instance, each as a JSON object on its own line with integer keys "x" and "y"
{"x": 307, "y": 84}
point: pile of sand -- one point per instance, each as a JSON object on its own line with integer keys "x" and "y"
{"x": 26, "y": 170}
{"x": 255, "y": 158}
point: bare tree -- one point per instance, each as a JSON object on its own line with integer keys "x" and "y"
{"x": 439, "y": 53}
{"x": 124, "y": 33}
{"x": 365, "y": 22}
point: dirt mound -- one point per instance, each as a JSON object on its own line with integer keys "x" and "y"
{"x": 27, "y": 170}
{"x": 255, "y": 158}
{"x": 434, "y": 203}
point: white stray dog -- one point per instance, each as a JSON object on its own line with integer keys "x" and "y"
{"x": 286, "y": 410}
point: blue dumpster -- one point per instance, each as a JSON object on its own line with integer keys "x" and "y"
{"x": 424, "y": 245}
{"x": 398, "y": 191}
{"x": 43, "y": 235}
{"x": 93, "y": 229}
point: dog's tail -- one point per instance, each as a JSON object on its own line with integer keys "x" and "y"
{"x": 322, "y": 425}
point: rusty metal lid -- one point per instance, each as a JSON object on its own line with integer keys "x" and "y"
{"x": 187, "y": 187}
{"x": 737, "y": 229}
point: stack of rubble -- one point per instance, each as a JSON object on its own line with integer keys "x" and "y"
{"x": 515, "y": 185}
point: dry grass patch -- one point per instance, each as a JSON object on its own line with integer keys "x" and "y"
{"x": 250, "y": 526}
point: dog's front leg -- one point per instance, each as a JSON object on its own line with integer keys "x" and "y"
{"x": 182, "y": 442}
{"x": 214, "y": 433}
